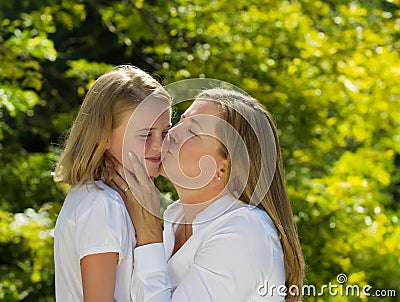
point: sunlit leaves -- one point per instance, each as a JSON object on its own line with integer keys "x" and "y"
{"x": 29, "y": 238}
{"x": 86, "y": 72}
{"x": 327, "y": 70}
{"x": 15, "y": 99}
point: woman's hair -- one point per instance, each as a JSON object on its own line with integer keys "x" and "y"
{"x": 112, "y": 95}
{"x": 258, "y": 136}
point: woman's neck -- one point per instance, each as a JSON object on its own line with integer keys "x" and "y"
{"x": 195, "y": 201}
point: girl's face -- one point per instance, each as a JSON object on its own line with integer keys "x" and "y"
{"x": 193, "y": 159}
{"x": 142, "y": 131}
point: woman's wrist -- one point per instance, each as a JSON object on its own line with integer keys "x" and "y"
{"x": 148, "y": 236}
{"x": 149, "y": 228}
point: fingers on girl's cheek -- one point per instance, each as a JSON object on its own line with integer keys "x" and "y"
{"x": 117, "y": 181}
{"x": 118, "y": 175}
{"x": 116, "y": 187}
{"x": 121, "y": 179}
{"x": 120, "y": 169}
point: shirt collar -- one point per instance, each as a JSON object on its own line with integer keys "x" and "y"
{"x": 227, "y": 203}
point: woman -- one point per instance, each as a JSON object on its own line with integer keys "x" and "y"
{"x": 94, "y": 237}
{"x": 217, "y": 245}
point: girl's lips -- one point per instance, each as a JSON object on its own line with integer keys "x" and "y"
{"x": 154, "y": 159}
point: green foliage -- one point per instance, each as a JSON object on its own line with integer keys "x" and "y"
{"x": 27, "y": 182}
{"x": 328, "y": 71}
{"x": 26, "y": 245}
{"x": 86, "y": 72}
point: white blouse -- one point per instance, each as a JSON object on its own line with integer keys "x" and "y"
{"x": 234, "y": 254}
{"x": 92, "y": 221}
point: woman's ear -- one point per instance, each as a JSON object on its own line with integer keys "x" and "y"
{"x": 222, "y": 166}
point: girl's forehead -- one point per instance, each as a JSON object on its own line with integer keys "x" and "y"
{"x": 148, "y": 115}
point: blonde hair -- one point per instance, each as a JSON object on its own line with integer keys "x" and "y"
{"x": 111, "y": 96}
{"x": 257, "y": 130}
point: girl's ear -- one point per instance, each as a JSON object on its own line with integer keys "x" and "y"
{"x": 107, "y": 144}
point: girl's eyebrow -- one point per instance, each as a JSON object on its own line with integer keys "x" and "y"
{"x": 145, "y": 129}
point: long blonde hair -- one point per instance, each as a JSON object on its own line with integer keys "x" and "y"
{"x": 257, "y": 130}
{"x": 111, "y": 96}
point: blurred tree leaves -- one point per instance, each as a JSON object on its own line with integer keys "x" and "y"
{"x": 327, "y": 70}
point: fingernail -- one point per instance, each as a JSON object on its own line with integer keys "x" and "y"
{"x": 131, "y": 154}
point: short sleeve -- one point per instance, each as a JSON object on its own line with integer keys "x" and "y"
{"x": 100, "y": 229}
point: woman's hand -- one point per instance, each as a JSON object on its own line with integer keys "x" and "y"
{"x": 141, "y": 199}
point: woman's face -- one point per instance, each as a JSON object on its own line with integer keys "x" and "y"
{"x": 142, "y": 131}
{"x": 193, "y": 157}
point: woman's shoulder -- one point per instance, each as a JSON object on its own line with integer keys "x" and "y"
{"x": 249, "y": 219}
{"x": 242, "y": 229}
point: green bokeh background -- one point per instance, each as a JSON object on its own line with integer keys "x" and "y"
{"x": 329, "y": 71}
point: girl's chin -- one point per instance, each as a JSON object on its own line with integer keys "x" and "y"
{"x": 161, "y": 170}
{"x": 152, "y": 171}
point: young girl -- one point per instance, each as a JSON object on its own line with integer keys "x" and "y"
{"x": 94, "y": 237}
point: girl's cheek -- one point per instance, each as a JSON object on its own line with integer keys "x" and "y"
{"x": 136, "y": 145}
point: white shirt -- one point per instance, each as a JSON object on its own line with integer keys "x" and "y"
{"x": 233, "y": 255}
{"x": 92, "y": 221}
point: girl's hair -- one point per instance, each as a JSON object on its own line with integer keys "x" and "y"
{"x": 111, "y": 96}
{"x": 258, "y": 136}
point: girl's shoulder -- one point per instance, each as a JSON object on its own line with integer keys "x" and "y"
{"x": 90, "y": 194}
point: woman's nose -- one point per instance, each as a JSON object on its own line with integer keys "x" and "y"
{"x": 166, "y": 143}
{"x": 173, "y": 134}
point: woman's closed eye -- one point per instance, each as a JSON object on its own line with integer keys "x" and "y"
{"x": 191, "y": 131}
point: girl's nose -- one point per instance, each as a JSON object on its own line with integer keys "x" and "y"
{"x": 157, "y": 144}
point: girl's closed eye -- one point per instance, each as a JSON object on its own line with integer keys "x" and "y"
{"x": 145, "y": 135}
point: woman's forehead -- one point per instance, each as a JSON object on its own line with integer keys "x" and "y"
{"x": 202, "y": 106}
